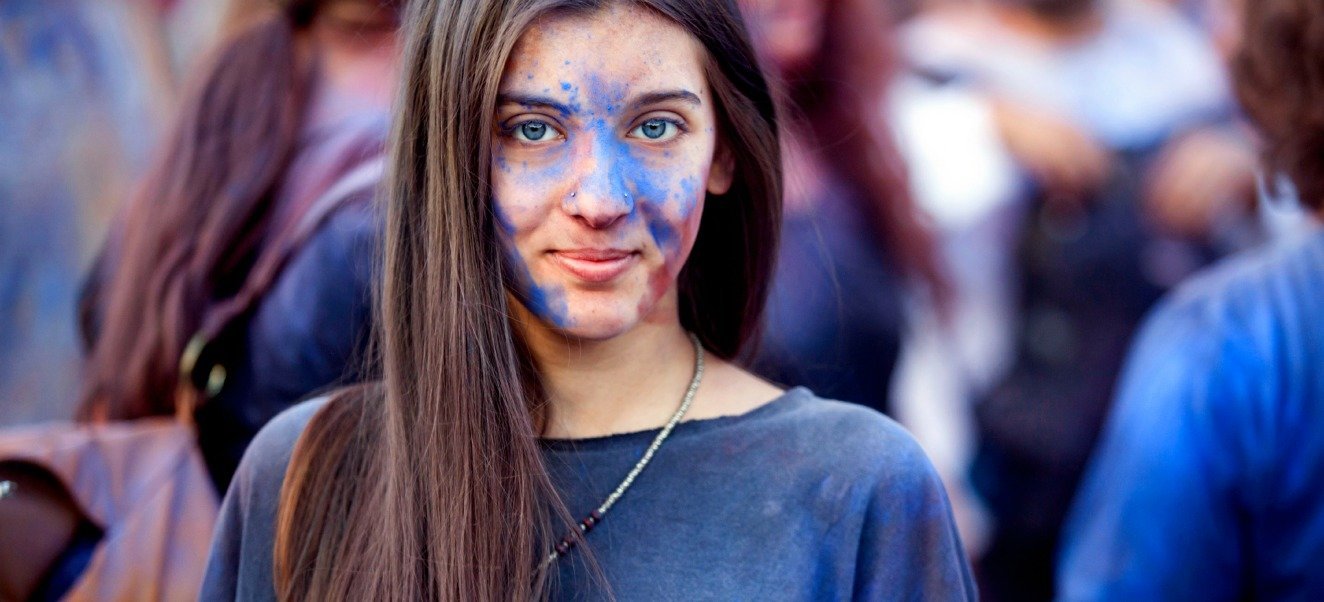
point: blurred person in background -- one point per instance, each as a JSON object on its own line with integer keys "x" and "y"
{"x": 853, "y": 244}
{"x": 281, "y": 113}
{"x": 81, "y": 84}
{"x": 291, "y": 108}
{"x": 1133, "y": 173}
{"x": 1209, "y": 481}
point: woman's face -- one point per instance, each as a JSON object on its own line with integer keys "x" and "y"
{"x": 604, "y": 150}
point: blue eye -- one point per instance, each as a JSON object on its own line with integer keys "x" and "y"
{"x": 657, "y": 129}
{"x": 533, "y": 131}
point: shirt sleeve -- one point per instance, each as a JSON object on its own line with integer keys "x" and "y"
{"x": 240, "y": 565}
{"x": 1156, "y": 517}
{"x": 909, "y": 548}
{"x": 221, "y": 578}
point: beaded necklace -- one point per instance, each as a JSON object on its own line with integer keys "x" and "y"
{"x": 570, "y": 540}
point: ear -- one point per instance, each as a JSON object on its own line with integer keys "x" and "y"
{"x": 722, "y": 171}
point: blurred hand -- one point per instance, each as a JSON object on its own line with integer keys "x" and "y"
{"x": 1198, "y": 178}
{"x": 1061, "y": 158}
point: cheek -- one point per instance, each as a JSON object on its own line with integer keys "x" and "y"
{"x": 673, "y": 211}
{"x": 524, "y": 191}
{"x": 658, "y": 283}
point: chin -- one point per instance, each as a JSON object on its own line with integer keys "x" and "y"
{"x": 599, "y": 312}
{"x": 601, "y": 319}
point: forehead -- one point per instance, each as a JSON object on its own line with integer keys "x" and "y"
{"x": 626, "y": 43}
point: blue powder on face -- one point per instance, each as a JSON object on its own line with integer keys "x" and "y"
{"x": 663, "y": 233}
{"x": 549, "y": 304}
{"x": 607, "y": 96}
{"x": 502, "y": 220}
{"x": 688, "y": 194}
{"x": 546, "y": 302}
{"x": 622, "y": 172}
{"x": 539, "y": 175}
{"x": 611, "y": 158}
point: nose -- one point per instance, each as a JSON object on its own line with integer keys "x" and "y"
{"x": 602, "y": 197}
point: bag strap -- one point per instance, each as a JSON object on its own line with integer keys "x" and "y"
{"x": 277, "y": 253}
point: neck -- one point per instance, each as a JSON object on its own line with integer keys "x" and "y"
{"x": 631, "y": 382}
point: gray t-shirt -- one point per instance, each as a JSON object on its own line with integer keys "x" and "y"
{"x": 800, "y": 499}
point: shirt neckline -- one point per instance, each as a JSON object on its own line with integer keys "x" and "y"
{"x": 686, "y": 428}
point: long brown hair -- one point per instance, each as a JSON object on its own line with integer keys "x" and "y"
{"x": 197, "y": 221}
{"x": 431, "y": 485}
{"x": 839, "y": 93}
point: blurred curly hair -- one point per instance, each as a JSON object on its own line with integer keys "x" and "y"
{"x": 1279, "y": 72}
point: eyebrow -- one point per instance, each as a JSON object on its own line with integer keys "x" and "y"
{"x": 651, "y": 98}
{"x": 528, "y": 100}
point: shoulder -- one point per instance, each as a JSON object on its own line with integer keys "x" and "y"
{"x": 853, "y": 441}
{"x": 360, "y": 217}
{"x": 1249, "y": 297}
{"x": 1224, "y": 372}
{"x": 876, "y": 473}
{"x": 343, "y": 249}
{"x": 239, "y": 565}
{"x": 1232, "y": 352}
{"x": 263, "y": 466}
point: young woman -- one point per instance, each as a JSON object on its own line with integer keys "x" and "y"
{"x": 583, "y": 206}
{"x": 290, "y": 116}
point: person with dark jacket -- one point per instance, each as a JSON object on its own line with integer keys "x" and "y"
{"x": 269, "y": 175}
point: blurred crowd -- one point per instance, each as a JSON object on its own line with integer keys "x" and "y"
{"x": 984, "y": 201}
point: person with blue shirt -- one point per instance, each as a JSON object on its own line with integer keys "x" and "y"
{"x": 1209, "y": 480}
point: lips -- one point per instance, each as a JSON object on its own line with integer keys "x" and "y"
{"x": 594, "y": 265}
